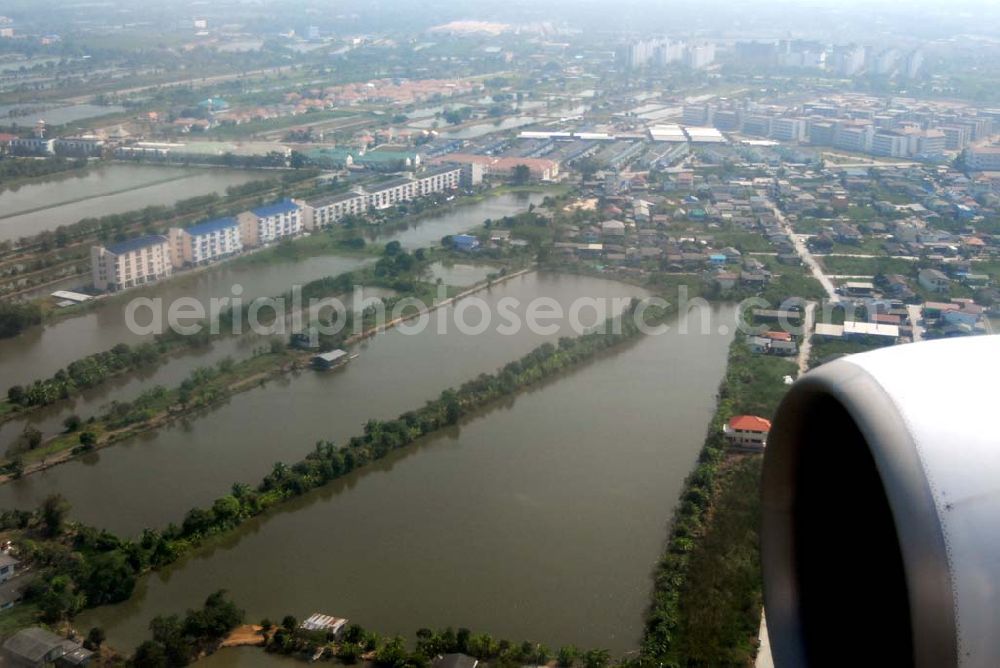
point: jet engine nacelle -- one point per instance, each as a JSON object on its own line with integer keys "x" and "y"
{"x": 880, "y": 534}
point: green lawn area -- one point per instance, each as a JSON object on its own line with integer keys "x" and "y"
{"x": 18, "y": 617}
{"x": 823, "y": 349}
{"x": 721, "y": 600}
{"x": 745, "y": 242}
{"x": 868, "y": 246}
{"x": 865, "y": 266}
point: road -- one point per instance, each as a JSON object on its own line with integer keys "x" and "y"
{"x": 764, "y": 659}
{"x": 808, "y": 325}
{"x": 913, "y": 310}
{"x": 807, "y": 258}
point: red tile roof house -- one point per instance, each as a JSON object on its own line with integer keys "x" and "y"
{"x": 747, "y": 432}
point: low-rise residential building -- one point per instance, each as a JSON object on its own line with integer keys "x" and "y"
{"x": 205, "y": 242}
{"x": 79, "y": 147}
{"x": 32, "y": 146}
{"x": 934, "y": 280}
{"x": 269, "y": 223}
{"x": 130, "y": 263}
{"x": 36, "y": 647}
{"x": 747, "y": 432}
{"x": 326, "y": 211}
{"x": 403, "y": 189}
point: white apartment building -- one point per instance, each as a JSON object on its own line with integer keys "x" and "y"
{"x": 270, "y": 222}
{"x": 852, "y": 137}
{"x": 32, "y": 146}
{"x": 205, "y": 242}
{"x": 403, "y": 189}
{"x": 131, "y": 263}
{"x": 931, "y": 142}
{"x": 326, "y": 211}
{"x": 956, "y": 137}
{"x": 890, "y": 144}
{"x": 788, "y": 129}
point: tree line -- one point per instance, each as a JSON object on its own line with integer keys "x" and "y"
{"x": 394, "y": 652}
{"x": 15, "y": 169}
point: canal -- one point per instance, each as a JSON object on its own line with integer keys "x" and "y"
{"x": 115, "y": 188}
{"x": 539, "y": 519}
{"x": 240, "y": 440}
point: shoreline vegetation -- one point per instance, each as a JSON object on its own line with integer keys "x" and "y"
{"x": 16, "y": 172}
{"x": 79, "y": 567}
{"x": 208, "y": 386}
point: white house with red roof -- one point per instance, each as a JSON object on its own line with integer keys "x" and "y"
{"x": 747, "y": 432}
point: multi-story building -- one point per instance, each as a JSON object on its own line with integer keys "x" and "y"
{"x": 759, "y": 126}
{"x": 727, "y": 120}
{"x": 326, "y": 211}
{"x": 822, "y": 133}
{"x": 983, "y": 159}
{"x": 788, "y": 129}
{"x": 80, "y": 147}
{"x": 696, "y": 114}
{"x": 854, "y": 137}
{"x": 32, "y": 146}
{"x": 699, "y": 56}
{"x": 890, "y": 144}
{"x": 270, "y": 222}
{"x": 849, "y": 60}
{"x": 956, "y": 137}
{"x": 205, "y": 242}
{"x": 931, "y": 142}
{"x": 131, "y": 263}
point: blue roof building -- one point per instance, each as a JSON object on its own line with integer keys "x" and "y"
{"x": 275, "y": 209}
{"x": 210, "y": 226}
{"x": 465, "y": 242}
{"x": 136, "y": 244}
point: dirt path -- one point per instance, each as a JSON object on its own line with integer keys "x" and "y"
{"x": 243, "y": 636}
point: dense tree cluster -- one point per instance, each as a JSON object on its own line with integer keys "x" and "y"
{"x": 84, "y": 373}
{"x": 14, "y": 169}
{"x": 15, "y": 318}
{"x": 177, "y": 642}
{"x": 395, "y": 652}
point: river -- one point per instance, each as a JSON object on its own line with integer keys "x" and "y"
{"x": 114, "y": 188}
{"x": 41, "y": 351}
{"x": 540, "y": 518}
